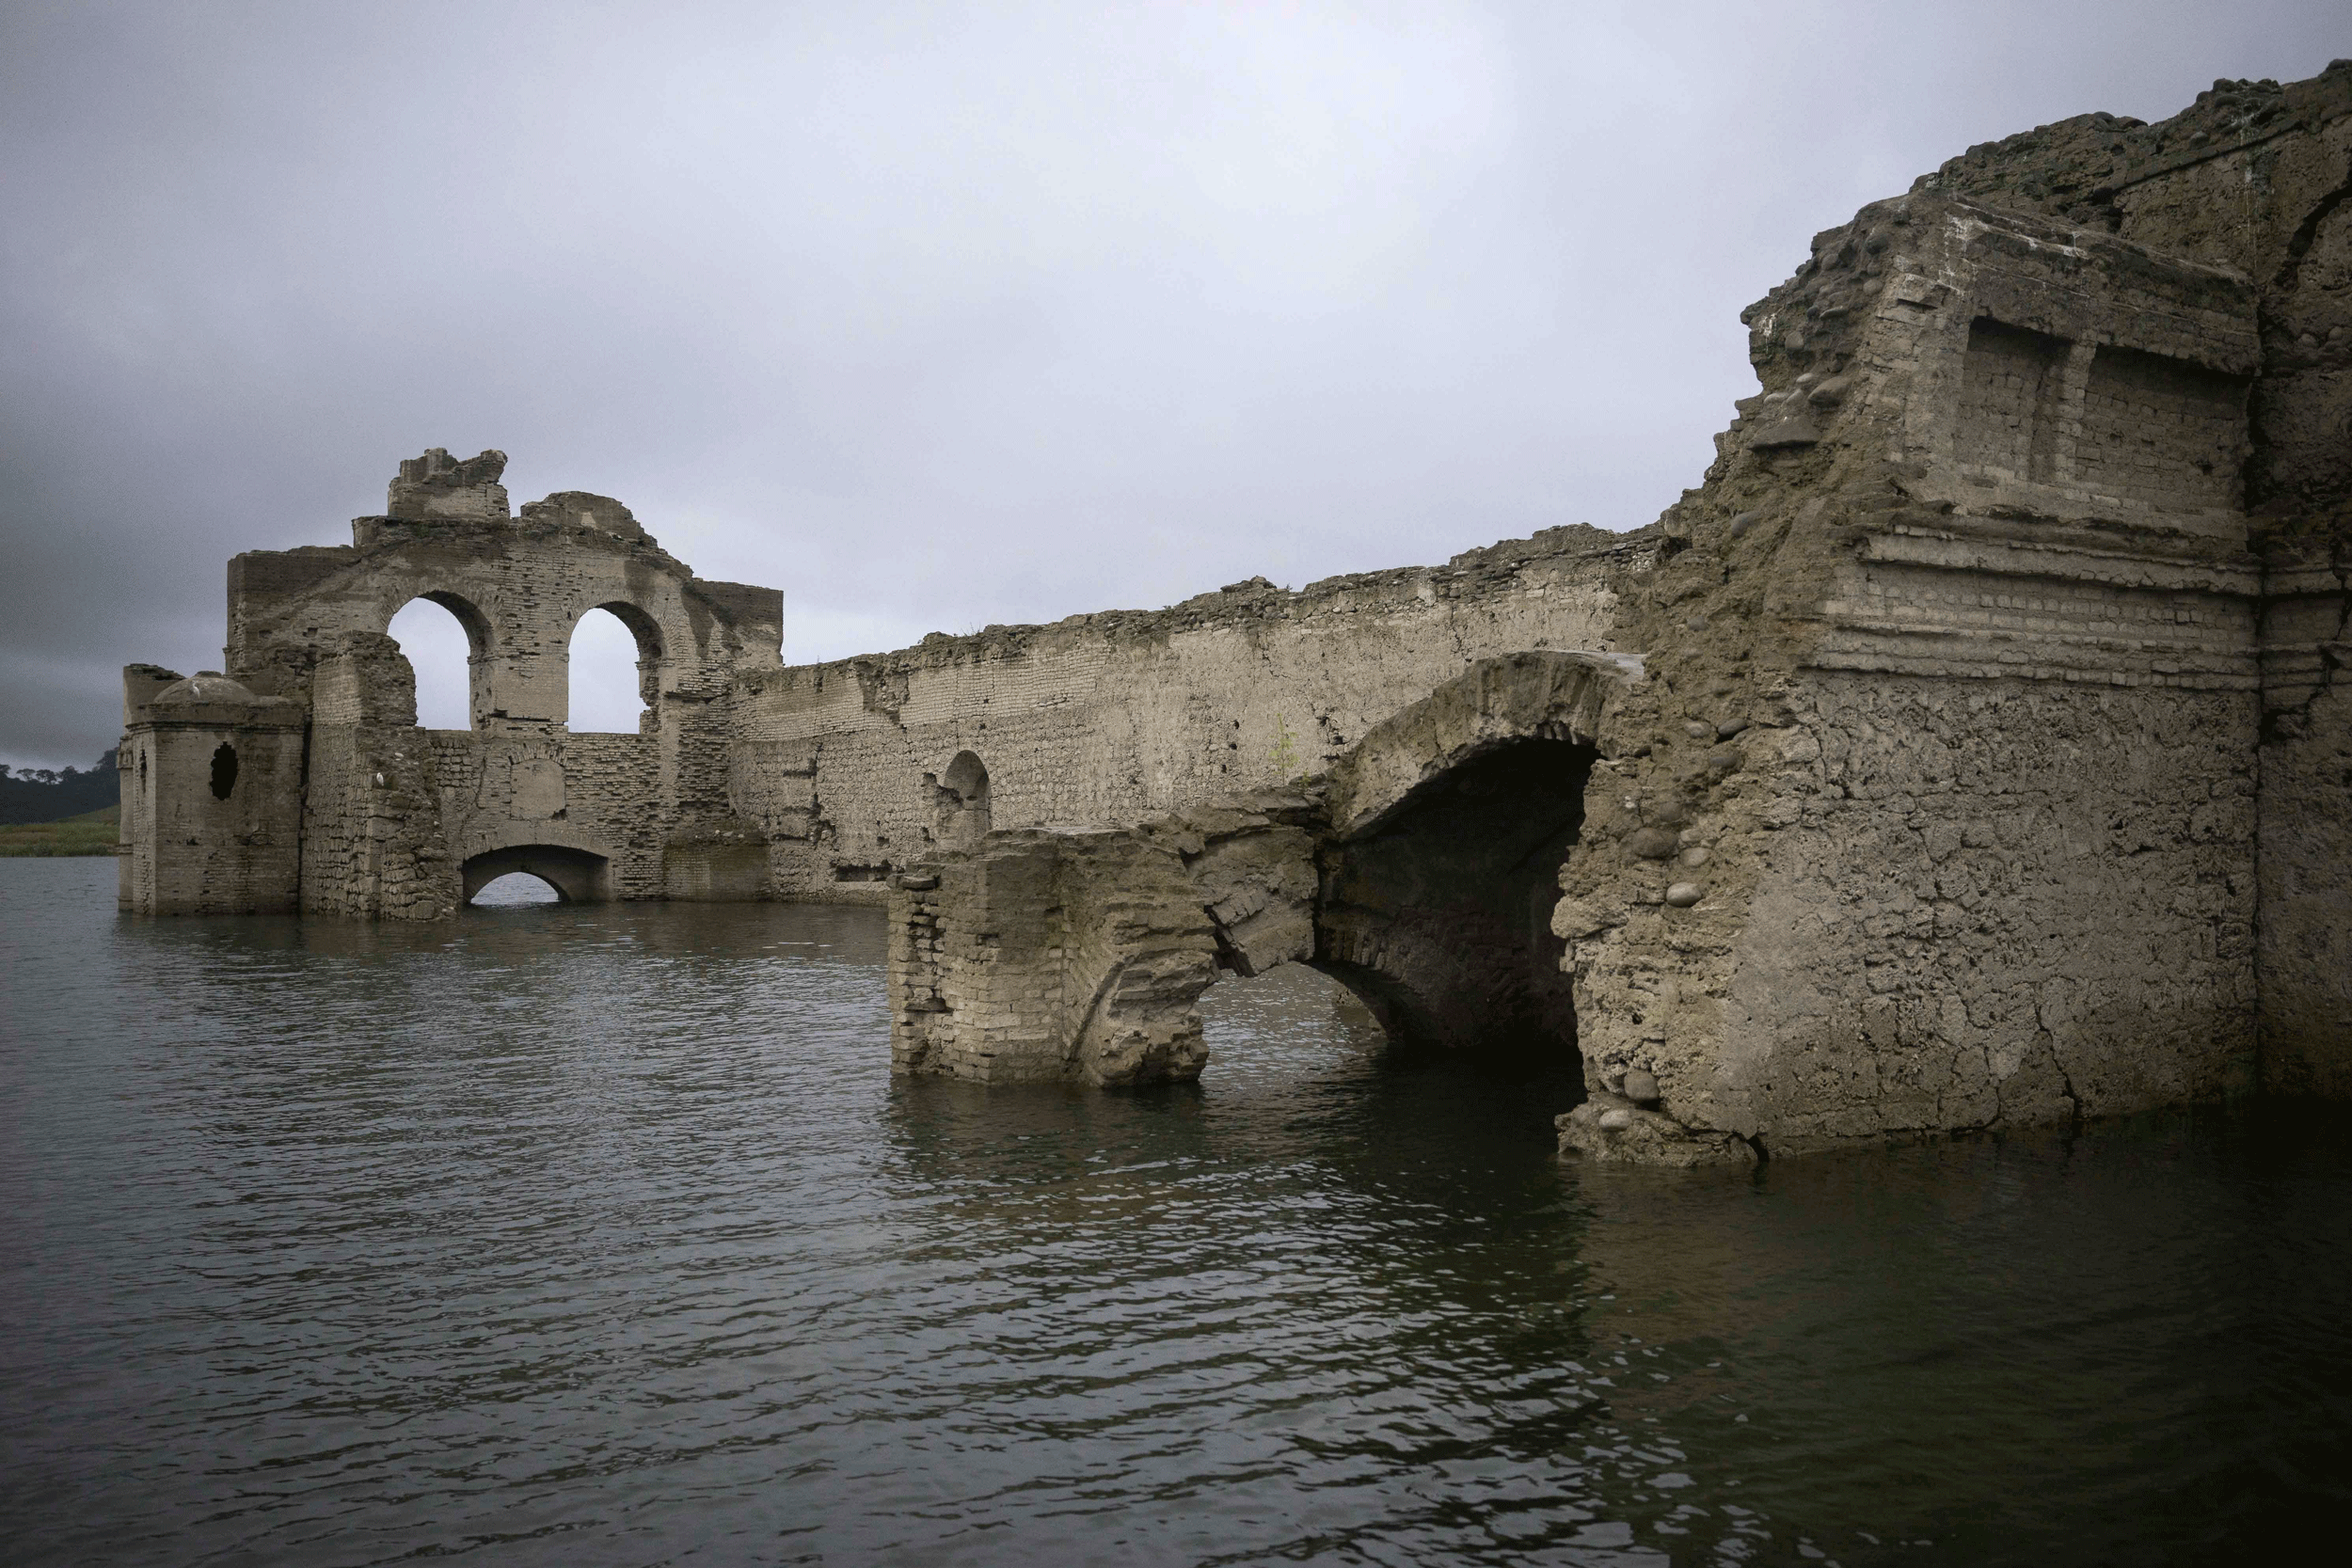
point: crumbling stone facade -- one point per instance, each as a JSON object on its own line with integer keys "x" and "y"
{"x": 380, "y": 818}
{"x": 1419, "y": 870}
{"x": 1966, "y": 751}
{"x": 1987, "y": 767}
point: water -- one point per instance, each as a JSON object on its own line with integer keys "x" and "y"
{"x": 602, "y": 1235}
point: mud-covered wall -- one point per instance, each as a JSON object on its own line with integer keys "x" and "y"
{"x": 2014, "y": 904}
{"x": 1937, "y": 809}
{"x": 2257, "y": 177}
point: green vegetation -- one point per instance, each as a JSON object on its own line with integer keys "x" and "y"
{"x": 43, "y": 795}
{"x": 90, "y": 834}
{"x": 1285, "y": 755}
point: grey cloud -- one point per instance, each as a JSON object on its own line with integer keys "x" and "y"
{"x": 935, "y": 316}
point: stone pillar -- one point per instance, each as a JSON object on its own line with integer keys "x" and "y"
{"x": 1051, "y": 954}
{"x": 374, "y": 840}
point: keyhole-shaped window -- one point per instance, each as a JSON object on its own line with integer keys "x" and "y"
{"x": 224, "y": 770}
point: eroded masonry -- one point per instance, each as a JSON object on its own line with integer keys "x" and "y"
{"x": 1970, "y": 749}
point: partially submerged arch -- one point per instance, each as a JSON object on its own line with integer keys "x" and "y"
{"x": 1422, "y": 875}
{"x": 1440, "y": 917}
{"x": 378, "y": 815}
{"x": 577, "y": 876}
{"x": 1447, "y": 827}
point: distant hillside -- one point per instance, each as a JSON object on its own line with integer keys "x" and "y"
{"x": 38, "y": 795}
{"x": 90, "y": 834}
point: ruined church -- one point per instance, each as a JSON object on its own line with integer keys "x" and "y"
{"x": 1971, "y": 748}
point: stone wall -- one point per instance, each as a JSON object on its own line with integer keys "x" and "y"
{"x": 2257, "y": 178}
{"x": 1049, "y": 956}
{"x": 373, "y": 843}
{"x": 2006, "y": 902}
{"x": 212, "y": 797}
{"x": 391, "y": 815}
{"x": 1419, "y": 874}
{"x": 1111, "y": 718}
{"x": 1932, "y": 687}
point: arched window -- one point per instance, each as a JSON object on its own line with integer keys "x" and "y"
{"x": 439, "y": 649}
{"x": 610, "y": 664}
{"x": 961, "y": 798}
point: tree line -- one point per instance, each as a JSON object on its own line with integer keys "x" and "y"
{"x": 46, "y": 794}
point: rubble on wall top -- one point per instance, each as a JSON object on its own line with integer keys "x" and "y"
{"x": 1259, "y": 599}
{"x": 2074, "y": 168}
{"x": 586, "y": 510}
{"x": 437, "y": 488}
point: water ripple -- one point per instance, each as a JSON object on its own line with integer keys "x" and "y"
{"x": 603, "y": 1236}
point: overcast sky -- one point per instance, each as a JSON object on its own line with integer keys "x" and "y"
{"x": 934, "y": 315}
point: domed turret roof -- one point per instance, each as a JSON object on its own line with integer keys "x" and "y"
{"x": 208, "y": 685}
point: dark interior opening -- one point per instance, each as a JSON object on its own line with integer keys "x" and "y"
{"x": 1441, "y": 918}
{"x": 224, "y": 770}
{"x": 577, "y": 876}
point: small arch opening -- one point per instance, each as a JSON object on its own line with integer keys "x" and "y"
{"x": 442, "y": 645}
{"x": 516, "y": 890}
{"x": 577, "y": 876}
{"x": 224, "y": 770}
{"x": 960, "y": 799}
{"x": 615, "y": 665}
{"x": 1440, "y": 917}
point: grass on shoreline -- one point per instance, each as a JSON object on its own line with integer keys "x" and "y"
{"x": 90, "y": 834}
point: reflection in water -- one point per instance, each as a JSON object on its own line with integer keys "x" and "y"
{"x": 601, "y": 1234}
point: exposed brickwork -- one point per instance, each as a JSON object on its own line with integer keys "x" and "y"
{"x": 2012, "y": 390}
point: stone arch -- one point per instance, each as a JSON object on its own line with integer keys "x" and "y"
{"x": 1448, "y": 824}
{"x": 647, "y": 632}
{"x": 426, "y": 672}
{"x": 577, "y": 876}
{"x": 1423, "y": 879}
{"x": 1541, "y": 694}
{"x": 1439, "y": 917}
{"x": 960, "y": 799}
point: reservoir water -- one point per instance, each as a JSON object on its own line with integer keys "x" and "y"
{"x": 603, "y": 1235}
